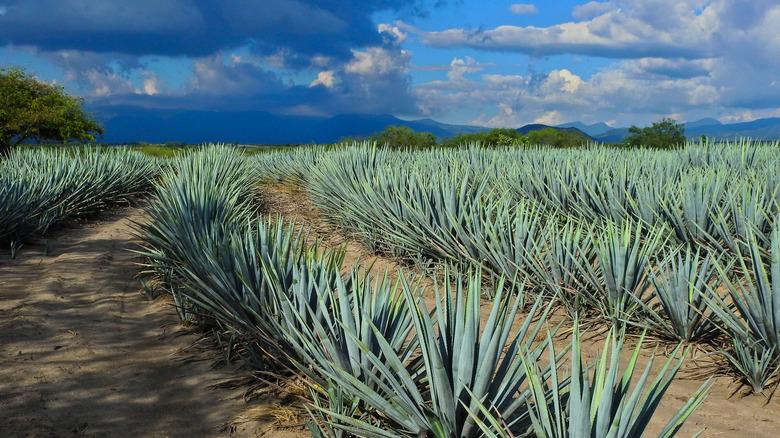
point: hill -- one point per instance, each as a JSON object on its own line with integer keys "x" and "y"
{"x": 592, "y": 129}
{"x": 131, "y": 124}
{"x": 538, "y": 126}
{"x": 759, "y": 129}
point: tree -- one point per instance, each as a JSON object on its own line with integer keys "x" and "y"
{"x": 559, "y": 138}
{"x": 512, "y": 137}
{"x": 403, "y": 136}
{"x": 665, "y": 133}
{"x": 34, "y": 110}
{"x": 494, "y": 137}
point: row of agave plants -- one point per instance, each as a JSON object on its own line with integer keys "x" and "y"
{"x": 377, "y": 360}
{"x": 40, "y": 188}
{"x": 681, "y": 243}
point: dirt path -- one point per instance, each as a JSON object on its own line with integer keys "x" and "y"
{"x": 84, "y": 353}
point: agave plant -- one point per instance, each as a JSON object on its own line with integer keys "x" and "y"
{"x": 755, "y": 363}
{"x": 751, "y": 315}
{"x": 599, "y": 403}
{"x": 690, "y": 210}
{"x": 332, "y": 326}
{"x": 623, "y": 272}
{"x": 503, "y": 236}
{"x": 42, "y": 188}
{"x": 461, "y": 364}
{"x": 676, "y": 310}
{"x": 562, "y": 254}
{"x": 747, "y": 211}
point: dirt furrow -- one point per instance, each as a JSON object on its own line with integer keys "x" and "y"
{"x": 84, "y": 353}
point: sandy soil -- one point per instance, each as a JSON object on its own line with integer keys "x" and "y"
{"x": 84, "y": 353}
{"x": 725, "y": 413}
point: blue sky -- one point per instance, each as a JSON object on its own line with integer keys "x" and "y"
{"x": 460, "y": 61}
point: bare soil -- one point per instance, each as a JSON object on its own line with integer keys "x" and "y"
{"x": 84, "y": 353}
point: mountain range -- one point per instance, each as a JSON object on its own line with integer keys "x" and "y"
{"x": 760, "y": 129}
{"x": 132, "y": 124}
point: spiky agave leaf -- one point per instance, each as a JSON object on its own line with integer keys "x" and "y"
{"x": 330, "y": 325}
{"x": 754, "y": 363}
{"x": 558, "y": 261}
{"x": 624, "y": 254}
{"x": 676, "y": 309}
{"x": 606, "y": 404}
{"x": 751, "y": 315}
{"x": 462, "y": 363}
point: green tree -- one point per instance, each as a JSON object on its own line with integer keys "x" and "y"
{"x": 559, "y": 138}
{"x": 403, "y": 136}
{"x": 34, "y": 110}
{"x": 494, "y": 137}
{"x": 663, "y": 134}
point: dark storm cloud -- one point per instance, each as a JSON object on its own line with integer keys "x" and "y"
{"x": 195, "y": 27}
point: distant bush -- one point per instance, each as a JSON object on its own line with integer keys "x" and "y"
{"x": 663, "y": 134}
{"x": 560, "y": 138}
{"x": 403, "y": 136}
{"x": 511, "y": 137}
{"x": 494, "y": 137}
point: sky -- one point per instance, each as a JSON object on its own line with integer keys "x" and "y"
{"x": 487, "y": 63}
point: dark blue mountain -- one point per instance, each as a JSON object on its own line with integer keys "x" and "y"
{"x": 132, "y": 124}
{"x": 759, "y": 129}
{"x": 127, "y": 124}
{"x": 707, "y": 121}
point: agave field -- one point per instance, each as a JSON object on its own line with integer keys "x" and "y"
{"x": 511, "y": 256}
{"x": 40, "y": 189}
{"x": 678, "y": 247}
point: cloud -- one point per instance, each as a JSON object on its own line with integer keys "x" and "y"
{"x": 196, "y": 27}
{"x": 393, "y": 33}
{"x": 562, "y": 80}
{"x": 523, "y": 9}
{"x": 622, "y": 93}
{"x": 237, "y": 54}
{"x": 459, "y": 67}
{"x": 375, "y": 61}
{"x": 622, "y": 29}
{"x": 590, "y": 9}
{"x": 690, "y": 58}
{"x": 325, "y": 78}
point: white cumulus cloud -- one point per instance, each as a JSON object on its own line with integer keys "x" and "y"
{"x": 523, "y": 9}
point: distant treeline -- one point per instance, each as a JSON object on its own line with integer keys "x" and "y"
{"x": 665, "y": 133}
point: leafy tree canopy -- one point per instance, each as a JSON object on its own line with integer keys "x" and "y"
{"x": 663, "y": 134}
{"x": 511, "y": 137}
{"x": 559, "y": 138}
{"x": 35, "y": 110}
{"x": 403, "y": 136}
